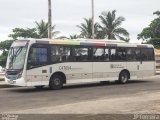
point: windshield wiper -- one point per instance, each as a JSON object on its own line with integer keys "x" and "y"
{"x": 15, "y": 54}
{"x": 18, "y": 52}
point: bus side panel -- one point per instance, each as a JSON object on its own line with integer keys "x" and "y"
{"x": 134, "y": 69}
{"x": 147, "y": 68}
{"x": 38, "y": 76}
{"x": 76, "y": 72}
{"x": 107, "y": 71}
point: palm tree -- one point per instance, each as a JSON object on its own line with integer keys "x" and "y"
{"x": 75, "y": 36}
{"x": 86, "y": 29}
{"x": 111, "y": 25}
{"x": 42, "y": 29}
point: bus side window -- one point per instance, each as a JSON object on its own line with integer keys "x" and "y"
{"x": 81, "y": 54}
{"x": 112, "y": 54}
{"x": 134, "y": 54}
{"x": 147, "y": 54}
{"x": 59, "y": 54}
{"x": 38, "y": 56}
{"x": 65, "y": 54}
{"x": 120, "y": 54}
{"x": 106, "y": 54}
{"x": 99, "y": 54}
{"x": 131, "y": 54}
{"x": 55, "y": 57}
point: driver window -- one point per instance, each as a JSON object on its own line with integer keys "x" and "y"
{"x": 38, "y": 56}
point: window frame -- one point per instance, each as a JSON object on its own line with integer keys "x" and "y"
{"x": 38, "y": 46}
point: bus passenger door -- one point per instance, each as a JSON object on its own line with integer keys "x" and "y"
{"x": 37, "y": 71}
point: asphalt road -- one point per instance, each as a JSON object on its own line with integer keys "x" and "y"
{"x": 17, "y": 99}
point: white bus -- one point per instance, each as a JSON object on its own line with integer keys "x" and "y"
{"x": 54, "y": 63}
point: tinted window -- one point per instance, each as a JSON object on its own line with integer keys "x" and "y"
{"x": 60, "y": 54}
{"x": 80, "y": 54}
{"x": 117, "y": 54}
{"x": 99, "y": 54}
{"x": 133, "y": 54}
{"x": 147, "y": 54}
{"x": 106, "y": 54}
{"x": 38, "y": 56}
{"x": 112, "y": 54}
{"x": 120, "y": 54}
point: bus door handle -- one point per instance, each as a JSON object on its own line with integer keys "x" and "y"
{"x": 138, "y": 67}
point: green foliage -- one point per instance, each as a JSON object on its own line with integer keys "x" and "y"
{"x": 111, "y": 25}
{"x": 86, "y": 29}
{"x": 155, "y": 42}
{"x": 152, "y": 32}
{"x": 24, "y": 33}
{"x": 3, "y": 60}
{"x": 109, "y": 28}
{"x": 4, "y": 47}
{"x": 74, "y": 36}
{"x": 42, "y": 29}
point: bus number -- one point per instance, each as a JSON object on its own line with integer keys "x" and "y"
{"x": 65, "y": 68}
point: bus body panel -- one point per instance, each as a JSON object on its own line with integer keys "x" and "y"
{"x": 147, "y": 68}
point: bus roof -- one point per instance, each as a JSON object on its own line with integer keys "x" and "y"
{"x": 91, "y": 42}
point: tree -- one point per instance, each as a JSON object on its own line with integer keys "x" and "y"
{"x": 86, "y": 29}
{"x": 4, "y": 47}
{"x": 24, "y": 33}
{"x": 42, "y": 29}
{"x": 152, "y": 33}
{"x": 75, "y": 36}
{"x": 111, "y": 25}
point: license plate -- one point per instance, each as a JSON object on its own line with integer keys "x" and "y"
{"x": 11, "y": 82}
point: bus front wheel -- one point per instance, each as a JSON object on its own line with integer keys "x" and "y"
{"x": 56, "y": 82}
{"x": 123, "y": 77}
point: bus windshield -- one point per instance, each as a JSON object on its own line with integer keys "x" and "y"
{"x": 16, "y": 56}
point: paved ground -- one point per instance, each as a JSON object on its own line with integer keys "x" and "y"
{"x": 140, "y": 96}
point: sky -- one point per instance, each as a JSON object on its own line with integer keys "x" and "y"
{"x": 69, "y": 13}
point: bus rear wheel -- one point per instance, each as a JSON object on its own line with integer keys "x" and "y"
{"x": 56, "y": 82}
{"x": 123, "y": 77}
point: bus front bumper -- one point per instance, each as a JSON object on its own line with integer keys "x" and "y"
{"x": 17, "y": 82}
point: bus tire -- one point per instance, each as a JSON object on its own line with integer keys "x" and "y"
{"x": 123, "y": 77}
{"x": 56, "y": 82}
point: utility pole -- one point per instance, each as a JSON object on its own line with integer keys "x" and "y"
{"x": 49, "y": 19}
{"x": 92, "y": 19}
